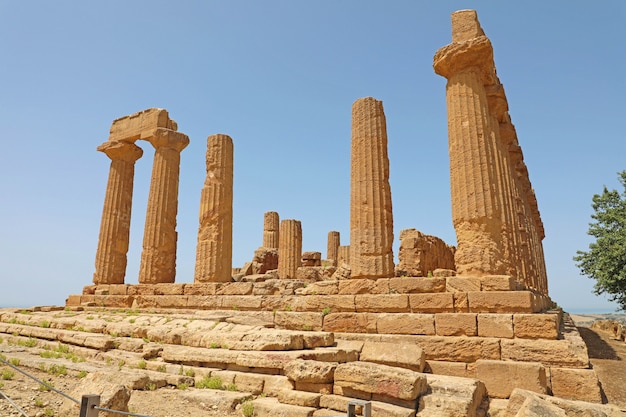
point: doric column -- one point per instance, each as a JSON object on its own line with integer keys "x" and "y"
{"x": 467, "y": 63}
{"x": 158, "y": 258}
{"x": 332, "y": 248}
{"x": 215, "y": 235}
{"x": 290, "y": 248}
{"x": 115, "y": 225}
{"x": 270, "y": 230}
{"x": 371, "y": 218}
{"x": 343, "y": 255}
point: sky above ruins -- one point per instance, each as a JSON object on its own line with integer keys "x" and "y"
{"x": 280, "y": 78}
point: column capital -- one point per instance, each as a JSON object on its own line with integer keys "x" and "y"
{"x": 461, "y": 56}
{"x": 121, "y": 150}
{"x": 166, "y": 138}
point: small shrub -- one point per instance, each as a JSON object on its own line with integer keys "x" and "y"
{"x": 49, "y": 412}
{"x": 45, "y": 324}
{"x": 326, "y": 311}
{"x": 247, "y": 409}
{"x": 214, "y": 345}
{"x": 190, "y": 372}
{"x": 182, "y": 386}
{"x": 82, "y": 374}
{"x": 7, "y": 375}
{"x": 161, "y": 368}
{"x": 429, "y": 274}
{"x": 231, "y": 387}
{"x": 57, "y": 369}
{"x": 287, "y": 308}
{"x": 142, "y": 364}
{"x": 89, "y": 317}
{"x": 150, "y": 386}
{"x": 39, "y": 403}
{"x": 14, "y": 362}
{"x": 131, "y": 321}
{"x": 210, "y": 382}
{"x": 307, "y": 328}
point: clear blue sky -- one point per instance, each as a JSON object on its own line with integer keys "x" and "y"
{"x": 280, "y": 77}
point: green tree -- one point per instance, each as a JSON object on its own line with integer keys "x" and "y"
{"x": 605, "y": 261}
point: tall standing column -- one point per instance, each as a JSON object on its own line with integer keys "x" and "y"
{"x": 290, "y": 248}
{"x": 158, "y": 258}
{"x": 215, "y": 235}
{"x": 271, "y": 230}
{"x": 332, "y": 249}
{"x": 467, "y": 63}
{"x": 371, "y": 218}
{"x": 115, "y": 226}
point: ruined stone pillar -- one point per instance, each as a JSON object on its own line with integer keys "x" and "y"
{"x": 290, "y": 248}
{"x": 215, "y": 235}
{"x": 270, "y": 230}
{"x": 158, "y": 258}
{"x": 467, "y": 63}
{"x": 371, "y": 218}
{"x": 115, "y": 226}
{"x": 332, "y": 249}
{"x": 343, "y": 255}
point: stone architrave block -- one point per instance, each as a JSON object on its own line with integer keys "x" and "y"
{"x": 299, "y": 320}
{"x": 350, "y": 323}
{"x": 407, "y": 356}
{"x": 501, "y": 377}
{"x": 560, "y": 353}
{"x": 501, "y": 302}
{"x": 497, "y": 283}
{"x": 407, "y": 285}
{"x": 386, "y": 380}
{"x": 576, "y": 384}
{"x": 462, "y": 284}
{"x": 536, "y": 326}
{"x": 456, "y": 324}
{"x": 495, "y": 325}
{"x": 432, "y": 303}
{"x": 382, "y": 303}
{"x": 406, "y": 323}
{"x": 140, "y": 125}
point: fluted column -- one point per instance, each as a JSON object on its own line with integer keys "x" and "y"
{"x": 371, "y": 218}
{"x": 343, "y": 255}
{"x": 158, "y": 258}
{"x": 215, "y": 235}
{"x": 332, "y": 248}
{"x": 271, "y": 230}
{"x": 115, "y": 225}
{"x": 290, "y": 248}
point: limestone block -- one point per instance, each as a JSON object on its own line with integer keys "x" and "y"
{"x": 266, "y": 258}
{"x": 501, "y": 377}
{"x": 465, "y": 26}
{"x": 495, "y": 325}
{"x": 421, "y": 254}
{"x": 113, "y": 395}
{"x": 571, "y": 408}
{"x": 308, "y": 273}
{"x": 446, "y": 368}
{"x": 456, "y": 324}
{"x": 406, "y": 323}
{"x": 322, "y": 302}
{"x": 501, "y": 302}
{"x": 320, "y": 288}
{"x": 383, "y": 303}
{"x": 461, "y": 302}
{"x": 497, "y": 283}
{"x": 313, "y": 339}
{"x": 310, "y": 371}
{"x": 73, "y": 300}
{"x": 334, "y": 402}
{"x": 235, "y": 288}
{"x": 535, "y": 326}
{"x": 141, "y": 289}
{"x": 459, "y": 348}
{"x": 356, "y": 286}
{"x": 453, "y": 396}
{"x": 276, "y": 383}
{"x": 118, "y": 289}
{"x": 391, "y": 410}
{"x": 270, "y": 407}
{"x": 140, "y": 125}
{"x": 373, "y": 378}
{"x": 343, "y": 272}
{"x": 432, "y": 303}
{"x": 299, "y": 320}
{"x": 311, "y": 258}
{"x": 350, "y": 323}
{"x": 401, "y": 356}
{"x": 301, "y": 398}
{"x": 576, "y": 384}
{"x": 314, "y": 387}
{"x": 169, "y": 289}
{"x": 535, "y": 406}
{"x": 241, "y": 302}
{"x": 443, "y": 273}
{"x": 407, "y": 285}
{"x": 204, "y": 302}
{"x": 205, "y": 288}
{"x": 462, "y": 284}
{"x": 560, "y": 353}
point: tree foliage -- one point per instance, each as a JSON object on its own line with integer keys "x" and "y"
{"x": 605, "y": 261}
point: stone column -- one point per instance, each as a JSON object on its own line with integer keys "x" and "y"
{"x": 467, "y": 63}
{"x": 115, "y": 226}
{"x": 158, "y": 258}
{"x": 332, "y": 250}
{"x": 215, "y": 235}
{"x": 343, "y": 255}
{"x": 290, "y": 248}
{"x": 371, "y": 218}
{"x": 270, "y": 230}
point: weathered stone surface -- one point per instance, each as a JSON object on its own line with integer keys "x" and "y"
{"x": 501, "y": 302}
{"x": 314, "y": 387}
{"x": 451, "y": 396}
{"x": 301, "y": 398}
{"x": 401, "y": 356}
{"x": 576, "y": 384}
{"x": 332, "y": 247}
{"x": 113, "y": 395}
{"x": 270, "y": 407}
{"x": 446, "y": 368}
{"x": 299, "y": 321}
{"x": 310, "y": 371}
{"x": 140, "y": 125}
{"x": 343, "y": 270}
{"x": 407, "y": 285}
{"x": 535, "y": 326}
{"x": 495, "y": 325}
{"x": 290, "y": 248}
{"x": 572, "y": 408}
{"x": 462, "y": 284}
{"x": 158, "y": 257}
{"x": 459, "y": 348}
{"x": 373, "y": 378}
{"x": 432, "y": 303}
{"x": 421, "y": 254}
{"x": 319, "y": 288}
{"x": 406, "y": 323}
{"x": 560, "y": 353}
{"x": 456, "y": 324}
{"x": 265, "y": 259}
{"x": 383, "y": 303}
{"x": 371, "y": 217}
{"x": 497, "y": 283}
{"x": 271, "y": 228}
{"x": 350, "y": 322}
{"x": 311, "y": 259}
{"x": 215, "y": 234}
{"x": 501, "y": 377}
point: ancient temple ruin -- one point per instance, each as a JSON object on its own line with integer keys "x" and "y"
{"x": 479, "y": 310}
